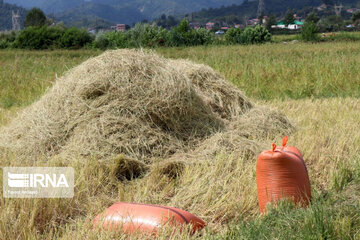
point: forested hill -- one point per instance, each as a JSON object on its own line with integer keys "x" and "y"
{"x": 6, "y": 15}
{"x": 248, "y": 9}
{"x": 88, "y": 12}
{"x": 149, "y": 8}
{"x": 100, "y": 15}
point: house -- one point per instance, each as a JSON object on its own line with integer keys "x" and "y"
{"x": 252, "y": 22}
{"x": 353, "y": 10}
{"x": 224, "y": 28}
{"x": 92, "y": 31}
{"x": 295, "y": 25}
{"x": 195, "y": 25}
{"x": 121, "y": 27}
{"x": 322, "y": 7}
{"x": 210, "y": 25}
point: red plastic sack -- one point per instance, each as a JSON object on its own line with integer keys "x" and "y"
{"x": 134, "y": 217}
{"x": 281, "y": 173}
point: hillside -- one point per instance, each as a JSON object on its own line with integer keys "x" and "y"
{"x": 248, "y": 9}
{"x": 49, "y": 6}
{"x": 150, "y": 8}
{"x": 89, "y": 14}
{"x": 6, "y": 14}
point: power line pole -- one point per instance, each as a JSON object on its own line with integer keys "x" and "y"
{"x": 261, "y": 8}
{"x": 338, "y": 9}
{"x": 15, "y": 21}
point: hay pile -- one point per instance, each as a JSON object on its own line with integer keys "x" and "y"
{"x": 141, "y": 105}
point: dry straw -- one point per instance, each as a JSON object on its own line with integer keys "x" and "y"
{"x": 130, "y": 114}
{"x": 144, "y": 106}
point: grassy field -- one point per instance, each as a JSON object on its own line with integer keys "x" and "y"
{"x": 316, "y": 85}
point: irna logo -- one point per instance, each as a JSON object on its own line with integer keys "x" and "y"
{"x": 36, "y": 180}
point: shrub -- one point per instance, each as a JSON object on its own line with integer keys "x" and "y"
{"x": 101, "y": 41}
{"x": 116, "y": 39}
{"x": 75, "y": 38}
{"x": 260, "y": 35}
{"x": 4, "y": 44}
{"x": 234, "y": 35}
{"x": 309, "y": 32}
{"x": 39, "y": 38}
{"x": 35, "y": 17}
{"x": 201, "y": 36}
{"x": 7, "y": 39}
{"x": 8, "y": 36}
{"x": 145, "y": 35}
{"x": 183, "y": 35}
{"x": 250, "y": 35}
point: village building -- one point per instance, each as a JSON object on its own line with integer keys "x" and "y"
{"x": 121, "y": 27}
{"x": 295, "y": 25}
{"x": 210, "y": 25}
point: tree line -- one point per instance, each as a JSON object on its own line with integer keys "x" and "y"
{"x": 39, "y": 33}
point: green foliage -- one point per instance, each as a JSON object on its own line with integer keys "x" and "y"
{"x": 309, "y": 32}
{"x": 52, "y": 37}
{"x": 183, "y": 35}
{"x": 201, "y": 36}
{"x": 166, "y": 22}
{"x": 270, "y": 22}
{"x": 116, "y": 39}
{"x": 8, "y": 36}
{"x": 312, "y": 17}
{"x": 356, "y": 17}
{"x": 251, "y": 35}
{"x": 75, "y": 38}
{"x": 39, "y": 38}
{"x": 234, "y": 36}
{"x": 324, "y": 219}
{"x": 332, "y": 23}
{"x": 4, "y": 44}
{"x": 101, "y": 42}
{"x": 35, "y": 18}
{"x": 7, "y": 39}
{"x": 145, "y": 35}
{"x": 289, "y": 18}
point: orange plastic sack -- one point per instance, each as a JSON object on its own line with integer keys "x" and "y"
{"x": 281, "y": 173}
{"x": 134, "y": 217}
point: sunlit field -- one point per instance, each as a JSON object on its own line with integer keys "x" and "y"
{"x": 317, "y": 86}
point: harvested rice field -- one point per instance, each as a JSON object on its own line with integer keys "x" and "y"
{"x": 182, "y": 127}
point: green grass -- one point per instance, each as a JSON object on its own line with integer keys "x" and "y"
{"x": 316, "y": 85}
{"x": 284, "y": 71}
{"x": 25, "y": 75}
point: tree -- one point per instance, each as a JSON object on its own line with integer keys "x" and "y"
{"x": 356, "y": 18}
{"x": 35, "y": 17}
{"x": 289, "y": 18}
{"x": 333, "y": 23}
{"x": 270, "y": 22}
{"x": 328, "y": 2}
{"x": 184, "y": 26}
{"x": 312, "y": 17}
{"x": 309, "y": 32}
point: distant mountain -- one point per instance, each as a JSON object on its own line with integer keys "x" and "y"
{"x": 149, "y": 8}
{"x": 248, "y": 9}
{"x": 49, "y": 6}
{"x": 6, "y": 15}
{"x": 91, "y": 13}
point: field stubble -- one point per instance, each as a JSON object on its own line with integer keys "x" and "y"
{"x": 222, "y": 190}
